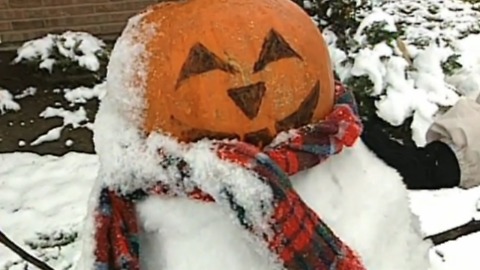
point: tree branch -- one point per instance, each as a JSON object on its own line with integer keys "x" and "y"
{"x": 455, "y": 233}
{"x": 22, "y": 253}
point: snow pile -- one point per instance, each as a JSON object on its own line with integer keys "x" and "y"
{"x": 78, "y": 47}
{"x": 30, "y": 91}
{"x": 405, "y": 49}
{"x": 82, "y": 94}
{"x": 75, "y": 119}
{"x": 7, "y": 103}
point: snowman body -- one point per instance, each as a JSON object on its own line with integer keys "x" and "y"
{"x": 362, "y": 199}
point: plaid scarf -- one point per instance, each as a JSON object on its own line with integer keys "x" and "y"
{"x": 296, "y": 235}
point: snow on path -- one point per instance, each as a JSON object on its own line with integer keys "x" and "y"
{"x": 43, "y": 202}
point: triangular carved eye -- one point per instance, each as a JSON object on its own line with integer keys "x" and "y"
{"x": 274, "y": 48}
{"x": 201, "y": 60}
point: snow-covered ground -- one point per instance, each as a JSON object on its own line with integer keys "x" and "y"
{"x": 43, "y": 201}
{"x": 42, "y": 204}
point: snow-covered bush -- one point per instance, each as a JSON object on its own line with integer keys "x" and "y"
{"x": 405, "y": 60}
{"x": 67, "y": 53}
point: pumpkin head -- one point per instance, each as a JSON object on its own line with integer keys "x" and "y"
{"x": 244, "y": 69}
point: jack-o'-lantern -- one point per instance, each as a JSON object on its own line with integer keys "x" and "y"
{"x": 244, "y": 69}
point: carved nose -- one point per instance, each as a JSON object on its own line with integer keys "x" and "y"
{"x": 248, "y": 98}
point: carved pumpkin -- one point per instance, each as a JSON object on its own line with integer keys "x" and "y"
{"x": 244, "y": 69}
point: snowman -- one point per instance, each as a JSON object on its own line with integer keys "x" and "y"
{"x": 225, "y": 143}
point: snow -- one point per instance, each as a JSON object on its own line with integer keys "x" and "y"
{"x": 23, "y": 207}
{"x": 69, "y": 143}
{"x": 79, "y": 47}
{"x": 70, "y": 118}
{"x": 30, "y": 91}
{"x": 444, "y": 209}
{"x": 7, "y": 103}
{"x": 128, "y": 84}
{"x": 43, "y": 197}
{"x": 420, "y": 89}
{"x": 82, "y": 94}
{"x": 75, "y": 119}
{"x": 125, "y": 154}
{"x": 355, "y": 192}
{"x": 73, "y": 174}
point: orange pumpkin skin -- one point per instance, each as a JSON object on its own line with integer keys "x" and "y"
{"x": 245, "y": 69}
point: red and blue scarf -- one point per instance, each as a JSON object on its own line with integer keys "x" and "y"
{"x": 301, "y": 240}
